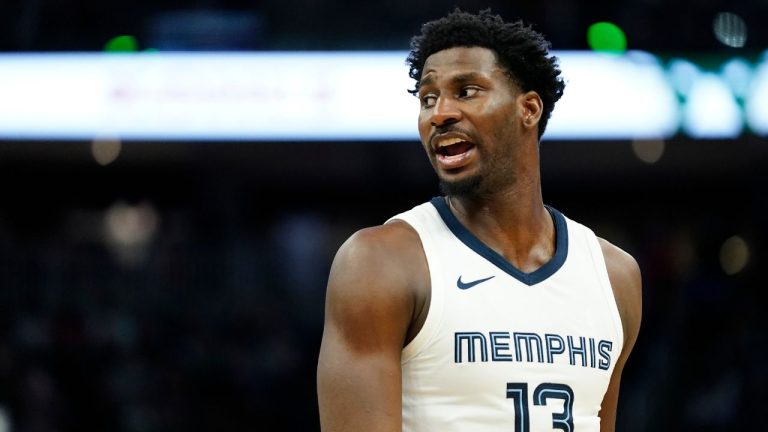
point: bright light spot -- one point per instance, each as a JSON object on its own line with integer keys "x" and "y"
{"x": 734, "y": 255}
{"x": 129, "y": 230}
{"x": 738, "y": 73}
{"x": 730, "y": 29}
{"x": 606, "y": 37}
{"x": 683, "y": 74}
{"x": 756, "y": 103}
{"x": 648, "y": 151}
{"x": 643, "y": 104}
{"x": 124, "y": 43}
{"x": 5, "y": 420}
{"x": 711, "y": 110}
{"x": 106, "y": 151}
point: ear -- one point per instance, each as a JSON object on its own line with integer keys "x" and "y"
{"x": 531, "y": 109}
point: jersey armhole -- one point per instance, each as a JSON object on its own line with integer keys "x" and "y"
{"x": 419, "y": 222}
{"x": 598, "y": 259}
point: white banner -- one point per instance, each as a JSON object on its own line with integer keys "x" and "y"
{"x": 328, "y": 96}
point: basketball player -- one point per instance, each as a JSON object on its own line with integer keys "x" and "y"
{"x": 482, "y": 310}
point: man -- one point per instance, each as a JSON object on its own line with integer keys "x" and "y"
{"x": 483, "y": 310}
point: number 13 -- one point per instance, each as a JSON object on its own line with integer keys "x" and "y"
{"x": 518, "y": 392}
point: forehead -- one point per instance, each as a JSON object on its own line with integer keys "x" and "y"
{"x": 461, "y": 60}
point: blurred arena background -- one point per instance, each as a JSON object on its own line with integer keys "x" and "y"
{"x": 152, "y": 284}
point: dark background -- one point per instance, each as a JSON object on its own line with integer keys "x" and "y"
{"x": 85, "y": 25}
{"x": 213, "y": 320}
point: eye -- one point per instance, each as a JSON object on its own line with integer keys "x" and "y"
{"x": 468, "y": 92}
{"x": 428, "y": 100}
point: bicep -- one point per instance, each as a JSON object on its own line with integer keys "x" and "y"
{"x": 355, "y": 391}
{"x": 366, "y": 318}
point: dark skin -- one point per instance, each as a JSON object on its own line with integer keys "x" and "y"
{"x": 379, "y": 288}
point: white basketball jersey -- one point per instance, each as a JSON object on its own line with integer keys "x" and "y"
{"x": 507, "y": 351}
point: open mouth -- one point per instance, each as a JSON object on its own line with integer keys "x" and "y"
{"x": 454, "y": 152}
{"x": 454, "y": 149}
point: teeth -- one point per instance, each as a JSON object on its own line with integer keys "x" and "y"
{"x": 449, "y": 141}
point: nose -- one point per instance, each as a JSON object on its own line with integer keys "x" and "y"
{"x": 445, "y": 112}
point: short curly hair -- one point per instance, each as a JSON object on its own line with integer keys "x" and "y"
{"x": 519, "y": 49}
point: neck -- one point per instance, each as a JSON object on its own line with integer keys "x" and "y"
{"x": 519, "y": 209}
{"x": 512, "y": 221}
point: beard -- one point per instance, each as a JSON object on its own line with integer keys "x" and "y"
{"x": 496, "y": 173}
{"x": 469, "y": 186}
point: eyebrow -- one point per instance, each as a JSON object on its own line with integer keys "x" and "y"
{"x": 460, "y": 78}
{"x": 426, "y": 81}
{"x": 469, "y": 76}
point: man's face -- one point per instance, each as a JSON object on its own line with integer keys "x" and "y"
{"x": 468, "y": 119}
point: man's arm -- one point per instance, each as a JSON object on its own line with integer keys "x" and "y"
{"x": 370, "y": 304}
{"x": 624, "y": 275}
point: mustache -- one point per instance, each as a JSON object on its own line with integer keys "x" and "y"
{"x": 440, "y": 130}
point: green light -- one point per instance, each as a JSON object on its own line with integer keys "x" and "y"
{"x": 124, "y": 43}
{"x": 606, "y": 37}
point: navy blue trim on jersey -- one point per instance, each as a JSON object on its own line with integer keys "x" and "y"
{"x": 469, "y": 239}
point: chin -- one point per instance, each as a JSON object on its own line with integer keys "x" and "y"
{"x": 461, "y": 187}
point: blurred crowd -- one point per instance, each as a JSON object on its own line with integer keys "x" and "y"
{"x": 152, "y": 295}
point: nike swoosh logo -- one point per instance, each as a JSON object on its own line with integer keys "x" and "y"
{"x": 467, "y": 285}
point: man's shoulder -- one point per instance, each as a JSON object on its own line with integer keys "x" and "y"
{"x": 390, "y": 242}
{"x": 617, "y": 260}
{"x": 381, "y": 264}
{"x": 378, "y": 270}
